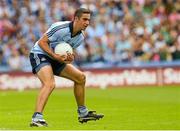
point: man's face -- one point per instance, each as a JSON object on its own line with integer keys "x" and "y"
{"x": 83, "y": 21}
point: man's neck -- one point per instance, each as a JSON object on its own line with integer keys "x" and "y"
{"x": 75, "y": 29}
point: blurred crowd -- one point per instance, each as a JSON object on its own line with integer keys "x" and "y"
{"x": 121, "y": 31}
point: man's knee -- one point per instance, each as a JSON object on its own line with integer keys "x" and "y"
{"x": 49, "y": 85}
{"x": 81, "y": 79}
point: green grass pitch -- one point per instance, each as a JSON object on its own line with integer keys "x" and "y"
{"x": 124, "y": 109}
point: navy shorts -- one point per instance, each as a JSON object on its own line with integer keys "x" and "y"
{"x": 40, "y": 60}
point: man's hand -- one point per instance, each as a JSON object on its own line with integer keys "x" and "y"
{"x": 60, "y": 58}
{"x": 70, "y": 58}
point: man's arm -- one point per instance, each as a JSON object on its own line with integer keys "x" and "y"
{"x": 43, "y": 43}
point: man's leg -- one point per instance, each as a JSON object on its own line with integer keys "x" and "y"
{"x": 45, "y": 74}
{"x": 72, "y": 73}
{"x": 46, "y": 77}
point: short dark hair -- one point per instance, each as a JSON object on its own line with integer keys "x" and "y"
{"x": 78, "y": 13}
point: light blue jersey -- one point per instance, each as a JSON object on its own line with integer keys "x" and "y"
{"x": 58, "y": 32}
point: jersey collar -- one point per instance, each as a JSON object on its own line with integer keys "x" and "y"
{"x": 71, "y": 29}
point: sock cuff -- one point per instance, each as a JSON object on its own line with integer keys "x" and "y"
{"x": 81, "y": 107}
{"x": 37, "y": 114}
{"x": 82, "y": 111}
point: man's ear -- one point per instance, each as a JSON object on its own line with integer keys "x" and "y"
{"x": 76, "y": 18}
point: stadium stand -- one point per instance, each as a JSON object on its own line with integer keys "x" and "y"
{"x": 122, "y": 32}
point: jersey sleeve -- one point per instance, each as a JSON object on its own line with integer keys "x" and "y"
{"x": 55, "y": 33}
{"x": 53, "y": 36}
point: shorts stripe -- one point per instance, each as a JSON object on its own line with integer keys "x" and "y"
{"x": 37, "y": 59}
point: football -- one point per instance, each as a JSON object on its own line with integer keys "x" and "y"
{"x": 63, "y": 48}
